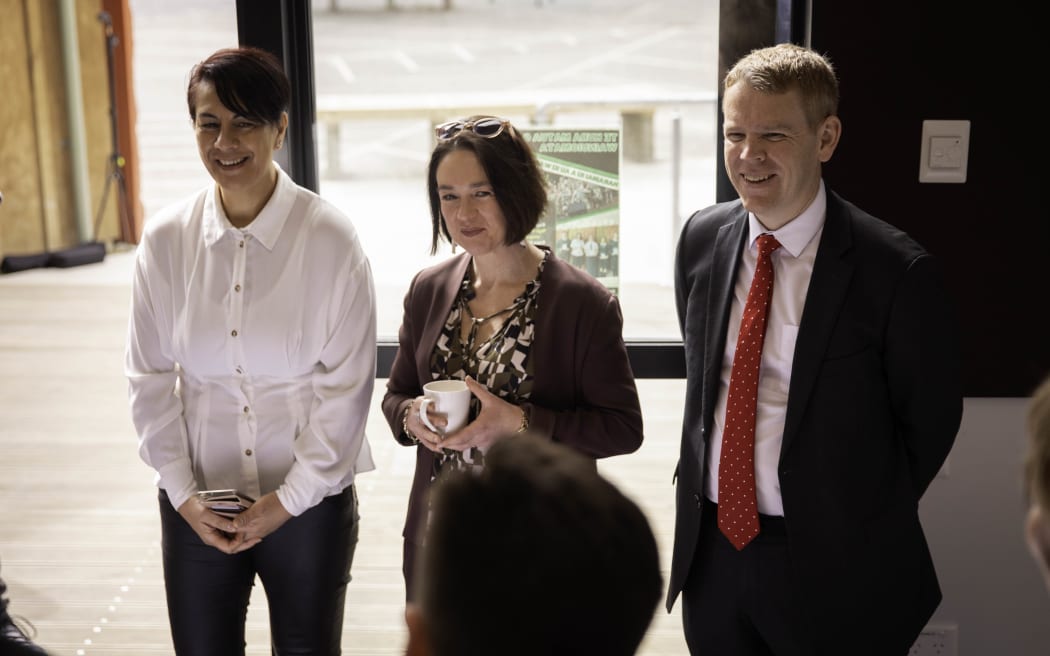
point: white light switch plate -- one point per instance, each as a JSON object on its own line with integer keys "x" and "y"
{"x": 945, "y": 151}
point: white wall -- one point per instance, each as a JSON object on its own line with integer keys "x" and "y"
{"x": 973, "y": 520}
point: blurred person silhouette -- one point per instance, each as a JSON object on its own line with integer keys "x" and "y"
{"x": 590, "y": 255}
{"x": 576, "y": 254}
{"x": 16, "y": 634}
{"x": 251, "y": 358}
{"x": 536, "y": 554}
{"x": 1037, "y": 479}
{"x": 538, "y": 341}
{"x": 562, "y": 246}
{"x": 820, "y": 401}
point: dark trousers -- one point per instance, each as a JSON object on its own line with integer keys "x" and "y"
{"x": 3, "y": 598}
{"x": 742, "y": 603}
{"x": 409, "y": 557}
{"x": 304, "y": 567}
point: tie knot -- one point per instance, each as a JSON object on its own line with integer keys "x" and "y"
{"x": 767, "y": 243}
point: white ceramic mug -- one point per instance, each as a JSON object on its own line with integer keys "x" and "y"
{"x": 450, "y": 398}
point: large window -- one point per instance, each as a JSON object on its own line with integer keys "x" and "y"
{"x": 387, "y": 70}
{"x": 385, "y": 76}
{"x": 168, "y": 39}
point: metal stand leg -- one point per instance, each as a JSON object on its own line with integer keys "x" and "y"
{"x": 115, "y": 171}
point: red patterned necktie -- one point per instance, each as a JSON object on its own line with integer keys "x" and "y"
{"x": 737, "y": 506}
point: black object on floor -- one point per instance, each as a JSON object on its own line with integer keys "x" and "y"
{"x": 86, "y": 253}
{"x": 13, "y": 263}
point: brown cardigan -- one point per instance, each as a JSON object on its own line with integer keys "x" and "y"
{"x": 584, "y": 393}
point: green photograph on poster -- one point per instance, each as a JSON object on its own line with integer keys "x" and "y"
{"x": 582, "y": 221}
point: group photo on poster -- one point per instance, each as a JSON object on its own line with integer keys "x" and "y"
{"x": 582, "y": 220}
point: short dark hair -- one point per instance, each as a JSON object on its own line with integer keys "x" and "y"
{"x": 249, "y": 81}
{"x": 536, "y": 554}
{"x": 512, "y": 170}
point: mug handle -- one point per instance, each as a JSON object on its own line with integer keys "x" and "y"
{"x": 423, "y": 414}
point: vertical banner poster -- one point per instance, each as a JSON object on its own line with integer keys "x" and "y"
{"x": 582, "y": 221}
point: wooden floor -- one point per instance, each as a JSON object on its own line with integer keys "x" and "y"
{"x": 79, "y": 528}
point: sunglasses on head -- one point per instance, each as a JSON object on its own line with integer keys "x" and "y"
{"x": 487, "y": 128}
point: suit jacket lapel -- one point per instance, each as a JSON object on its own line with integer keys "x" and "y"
{"x": 729, "y": 245}
{"x": 436, "y": 309}
{"x": 832, "y": 270}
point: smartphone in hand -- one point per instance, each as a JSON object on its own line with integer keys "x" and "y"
{"x": 228, "y": 503}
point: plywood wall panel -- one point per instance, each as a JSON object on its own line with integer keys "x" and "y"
{"x": 95, "y": 88}
{"x": 51, "y": 125}
{"x": 36, "y": 168}
{"x": 21, "y": 228}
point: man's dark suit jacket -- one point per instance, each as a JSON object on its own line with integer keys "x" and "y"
{"x": 873, "y": 408}
{"x": 583, "y": 391}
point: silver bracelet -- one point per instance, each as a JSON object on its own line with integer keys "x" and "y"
{"x": 404, "y": 424}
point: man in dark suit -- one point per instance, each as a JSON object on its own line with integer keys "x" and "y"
{"x": 858, "y": 399}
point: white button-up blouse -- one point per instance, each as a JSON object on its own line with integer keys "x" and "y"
{"x": 251, "y": 353}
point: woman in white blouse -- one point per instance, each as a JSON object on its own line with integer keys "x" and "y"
{"x": 251, "y": 362}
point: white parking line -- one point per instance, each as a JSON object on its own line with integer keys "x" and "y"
{"x": 614, "y": 54}
{"x": 407, "y": 62}
{"x": 341, "y": 67}
{"x": 464, "y": 53}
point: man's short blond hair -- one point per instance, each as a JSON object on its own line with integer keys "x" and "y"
{"x": 786, "y": 67}
{"x": 1037, "y": 461}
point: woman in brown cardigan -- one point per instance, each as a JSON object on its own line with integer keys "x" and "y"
{"x": 539, "y": 343}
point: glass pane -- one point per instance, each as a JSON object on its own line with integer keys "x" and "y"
{"x": 386, "y": 75}
{"x": 168, "y": 39}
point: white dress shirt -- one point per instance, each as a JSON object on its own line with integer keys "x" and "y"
{"x": 251, "y": 353}
{"x": 792, "y": 268}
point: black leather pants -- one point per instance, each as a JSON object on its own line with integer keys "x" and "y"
{"x": 304, "y": 567}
